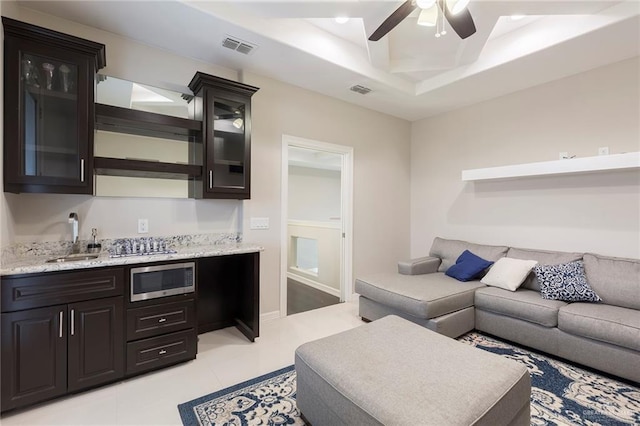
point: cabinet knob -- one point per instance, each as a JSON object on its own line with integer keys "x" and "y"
{"x": 162, "y": 320}
{"x": 162, "y": 352}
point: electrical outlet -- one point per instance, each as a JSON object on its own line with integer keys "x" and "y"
{"x": 143, "y": 226}
{"x": 259, "y": 223}
{"x": 603, "y": 150}
{"x": 563, "y": 155}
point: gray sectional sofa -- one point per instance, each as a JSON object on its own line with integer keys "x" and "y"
{"x": 603, "y": 335}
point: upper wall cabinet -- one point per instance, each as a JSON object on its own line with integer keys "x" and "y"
{"x": 48, "y": 109}
{"x": 224, "y": 106}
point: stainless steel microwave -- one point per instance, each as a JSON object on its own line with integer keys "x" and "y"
{"x": 150, "y": 282}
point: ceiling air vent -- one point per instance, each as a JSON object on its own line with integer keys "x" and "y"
{"x": 238, "y": 45}
{"x": 360, "y": 89}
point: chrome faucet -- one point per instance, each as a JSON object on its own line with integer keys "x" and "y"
{"x": 73, "y": 220}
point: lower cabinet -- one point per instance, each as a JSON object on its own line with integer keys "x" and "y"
{"x": 50, "y": 351}
{"x": 160, "y": 333}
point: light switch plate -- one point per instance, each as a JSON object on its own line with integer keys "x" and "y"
{"x": 259, "y": 223}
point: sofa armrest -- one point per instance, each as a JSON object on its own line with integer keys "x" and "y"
{"x": 419, "y": 266}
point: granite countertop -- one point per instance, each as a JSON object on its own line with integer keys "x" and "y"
{"x": 36, "y": 264}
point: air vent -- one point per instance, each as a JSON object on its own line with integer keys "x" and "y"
{"x": 360, "y": 89}
{"x": 238, "y": 45}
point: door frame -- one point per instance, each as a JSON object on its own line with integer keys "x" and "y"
{"x": 346, "y": 246}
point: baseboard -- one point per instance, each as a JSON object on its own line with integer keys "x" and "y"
{"x": 318, "y": 286}
{"x": 269, "y": 316}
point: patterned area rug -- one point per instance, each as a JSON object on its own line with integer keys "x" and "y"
{"x": 561, "y": 394}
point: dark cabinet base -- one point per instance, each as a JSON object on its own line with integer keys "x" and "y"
{"x": 229, "y": 293}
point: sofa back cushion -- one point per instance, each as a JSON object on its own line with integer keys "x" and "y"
{"x": 450, "y": 250}
{"x": 616, "y": 280}
{"x": 544, "y": 257}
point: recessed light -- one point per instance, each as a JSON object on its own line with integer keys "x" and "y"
{"x": 516, "y": 17}
{"x": 342, "y": 19}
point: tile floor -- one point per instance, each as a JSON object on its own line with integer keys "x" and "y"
{"x": 225, "y": 358}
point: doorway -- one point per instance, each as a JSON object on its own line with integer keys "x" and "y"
{"x": 316, "y": 224}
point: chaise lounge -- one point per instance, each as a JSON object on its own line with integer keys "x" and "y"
{"x": 604, "y": 335}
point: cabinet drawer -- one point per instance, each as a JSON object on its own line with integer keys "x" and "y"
{"x": 55, "y": 288}
{"x": 148, "y": 354}
{"x": 160, "y": 319}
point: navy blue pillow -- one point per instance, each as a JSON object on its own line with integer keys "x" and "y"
{"x": 468, "y": 266}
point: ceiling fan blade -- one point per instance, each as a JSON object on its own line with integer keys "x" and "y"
{"x": 462, "y": 23}
{"x": 394, "y": 19}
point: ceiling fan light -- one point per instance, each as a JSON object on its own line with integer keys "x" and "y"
{"x": 457, "y": 6}
{"x": 425, "y": 4}
{"x": 428, "y": 17}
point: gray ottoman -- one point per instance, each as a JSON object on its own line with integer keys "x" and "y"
{"x": 394, "y": 372}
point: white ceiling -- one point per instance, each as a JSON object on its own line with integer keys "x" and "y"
{"x": 412, "y": 74}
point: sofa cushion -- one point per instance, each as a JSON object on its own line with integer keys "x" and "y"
{"x": 606, "y": 323}
{"x": 423, "y": 296}
{"x": 508, "y": 273}
{"x": 468, "y": 267}
{"x": 566, "y": 282}
{"x": 616, "y": 280}
{"x": 522, "y": 304}
{"x": 544, "y": 257}
{"x": 450, "y": 250}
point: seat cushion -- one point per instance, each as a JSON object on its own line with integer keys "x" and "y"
{"x": 615, "y": 280}
{"x": 423, "y": 296}
{"x": 606, "y": 323}
{"x": 544, "y": 257}
{"x": 450, "y": 250}
{"x": 522, "y": 304}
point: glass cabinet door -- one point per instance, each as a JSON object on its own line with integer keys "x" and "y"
{"x": 227, "y": 158}
{"x": 49, "y": 104}
{"x": 48, "y": 109}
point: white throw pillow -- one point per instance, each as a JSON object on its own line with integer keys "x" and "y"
{"x": 508, "y": 273}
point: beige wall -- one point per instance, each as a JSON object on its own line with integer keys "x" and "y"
{"x": 592, "y": 212}
{"x": 314, "y": 194}
{"x": 381, "y": 168}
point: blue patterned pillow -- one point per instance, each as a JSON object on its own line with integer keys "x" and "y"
{"x": 566, "y": 282}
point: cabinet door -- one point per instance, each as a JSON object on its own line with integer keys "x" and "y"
{"x": 48, "y": 103}
{"x": 228, "y": 152}
{"x": 96, "y": 342}
{"x": 34, "y": 356}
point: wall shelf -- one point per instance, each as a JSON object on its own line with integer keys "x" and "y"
{"x": 147, "y": 169}
{"x": 142, "y": 123}
{"x": 601, "y": 163}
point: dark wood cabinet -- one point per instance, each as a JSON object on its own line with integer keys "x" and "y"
{"x": 96, "y": 342}
{"x": 61, "y": 332}
{"x": 48, "y": 109}
{"x": 150, "y": 354}
{"x": 34, "y": 356}
{"x": 229, "y": 293}
{"x": 224, "y": 107}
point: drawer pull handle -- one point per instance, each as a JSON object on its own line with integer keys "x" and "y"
{"x": 162, "y": 352}
{"x": 60, "y": 322}
{"x": 162, "y": 320}
{"x": 73, "y": 326}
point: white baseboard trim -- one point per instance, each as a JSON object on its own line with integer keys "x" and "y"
{"x": 269, "y": 316}
{"x": 318, "y": 286}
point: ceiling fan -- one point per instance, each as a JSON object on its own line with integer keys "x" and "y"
{"x": 455, "y": 11}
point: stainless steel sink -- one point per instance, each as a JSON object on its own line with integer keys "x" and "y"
{"x": 73, "y": 258}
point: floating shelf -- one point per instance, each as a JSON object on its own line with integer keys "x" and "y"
{"x": 629, "y": 160}
{"x": 143, "y": 123}
{"x": 149, "y": 169}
